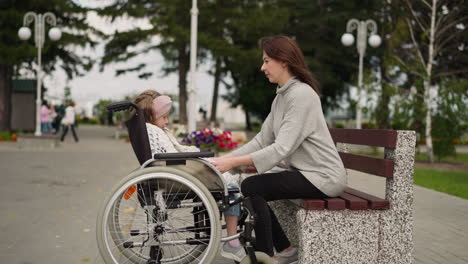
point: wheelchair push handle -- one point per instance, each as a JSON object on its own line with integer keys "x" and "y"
{"x": 120, "y": 106}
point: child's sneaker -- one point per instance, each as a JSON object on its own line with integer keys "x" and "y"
{"x": 289, "y": 257}
{"x": 234, "y": 253}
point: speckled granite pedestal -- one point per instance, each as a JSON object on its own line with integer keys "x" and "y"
{"x": 359, "y": 236}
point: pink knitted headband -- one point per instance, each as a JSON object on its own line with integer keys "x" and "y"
{"x": 161, "y": 105}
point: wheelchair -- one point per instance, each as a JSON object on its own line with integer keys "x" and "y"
{"x": 169, "y": 209}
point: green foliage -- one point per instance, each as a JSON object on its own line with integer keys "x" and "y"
{"x": 256, "y": 127}
{"x": 458, "y": 158}
{"x": 71, "y": 19}
{"x": 339, "y": 125}
{"x": 16, "y": 54}
{"x": 318, "y": 26}
{"x": 229, "y": 30}
{"x": 249, "y": 22}
{"x": 170, "y": 23}
{"x": 67, "y": 98}
{"x": 448, "y": 120}
{"x": 101, "y": 110}
{"x": 5, "y": 135}
{"x": 369, "y": 125}
{"x": 87, "y": 121}
{"x": 402, "y": 113}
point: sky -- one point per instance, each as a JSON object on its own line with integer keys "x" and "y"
{"x": 95, "y": 85}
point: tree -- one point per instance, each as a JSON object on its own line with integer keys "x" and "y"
{"x": 450, "y": 115}
{"x": 317, "y": 26}
{"x": 67, "y": 98}
{"x": 436, "y": 33}
{"x": 16, "y": 54}
{"x": 214, "y": 39}
{"x": 170, "y": 23}
{"x": 250, "y": 88}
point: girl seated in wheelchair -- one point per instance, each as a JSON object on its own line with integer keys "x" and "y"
{"x": 156, "y": 109}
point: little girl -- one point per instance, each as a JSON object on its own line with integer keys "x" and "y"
{"x": 156, "y": 108}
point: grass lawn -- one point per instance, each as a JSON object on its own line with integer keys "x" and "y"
{"x": 451, "y": 182}
{"x": 459, "y": 158}
{"x": 454, "y": 182}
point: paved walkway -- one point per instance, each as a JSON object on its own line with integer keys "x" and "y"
{"x": 440, "y": 222}
{"x": 49, "y": 201}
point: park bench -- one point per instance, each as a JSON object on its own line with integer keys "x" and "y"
{"x": 358, "y": 227}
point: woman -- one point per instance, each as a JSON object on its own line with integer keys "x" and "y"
{"x": 294, "y": 134}
{"x": 69, "y": 121}
{"x": 46, "y": 126}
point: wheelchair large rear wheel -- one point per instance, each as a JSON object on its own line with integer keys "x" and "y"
{"x": 159, "y": 213}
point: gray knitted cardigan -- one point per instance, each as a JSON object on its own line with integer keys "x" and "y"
{"x": 295, "y": 133}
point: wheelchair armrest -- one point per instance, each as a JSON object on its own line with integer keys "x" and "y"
{"x": 183, "y": 155}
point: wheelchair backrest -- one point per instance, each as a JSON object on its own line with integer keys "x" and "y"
{"x": 136, "y": 126}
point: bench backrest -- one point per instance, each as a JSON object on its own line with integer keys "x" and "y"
{"x": 396, "y": 165}
{"x": 367, "y": 137}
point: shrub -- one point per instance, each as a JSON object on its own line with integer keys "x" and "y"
{"x": 339, "y": 125}
{"x": 369, "y": 125}
{"x": 87, "y": 121}
{"x": 5, "y": 136}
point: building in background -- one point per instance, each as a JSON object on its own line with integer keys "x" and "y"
{"x": 23, "y": 104}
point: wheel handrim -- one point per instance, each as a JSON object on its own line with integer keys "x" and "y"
{"x": 116, "y": 200}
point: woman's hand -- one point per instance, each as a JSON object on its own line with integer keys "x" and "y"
{"x": 228, "y": 162}
{"x": 223, "y": 164}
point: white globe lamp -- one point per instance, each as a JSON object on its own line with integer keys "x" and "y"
{"x": 347, "y": 39}
{"x": 24, "y": 33}
{"x": 55, "y": 34}
{"x": 375, "y": 41}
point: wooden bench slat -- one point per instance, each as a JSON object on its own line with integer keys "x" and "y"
{"x": 375, "y": 166}
{"x": 335, "y": 203}
{"x": 354, "y": 202}
{"x": 369, "y": 137}
{"x": 313, "y": 204}
{"x": 375, "y": 203}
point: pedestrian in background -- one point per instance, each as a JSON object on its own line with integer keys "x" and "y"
{"x": 46, "y": 126}
{"x": 68, "y": 121}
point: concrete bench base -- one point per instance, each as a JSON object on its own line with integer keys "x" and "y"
{"x": 38, "y": 142}
{"x": 364, "y": 235}
{"x": 347, "y": 236}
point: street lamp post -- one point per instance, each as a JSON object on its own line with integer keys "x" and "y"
{"x": 24, "y": 33}
{"x": 362, "y": 28}
{"x": 192, "y": 92}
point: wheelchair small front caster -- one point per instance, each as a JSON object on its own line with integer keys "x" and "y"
{"x": 261, "y": 258}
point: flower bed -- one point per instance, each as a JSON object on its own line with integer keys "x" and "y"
{"x": 7, "y": 136}
{"x": 214, "y": 139}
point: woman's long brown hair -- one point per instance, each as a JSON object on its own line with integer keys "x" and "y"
{"x": 285, "y": 49}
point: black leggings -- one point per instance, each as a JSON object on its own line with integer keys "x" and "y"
{"x": 65, "y": 131}
{"x": 261, "y": 188}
